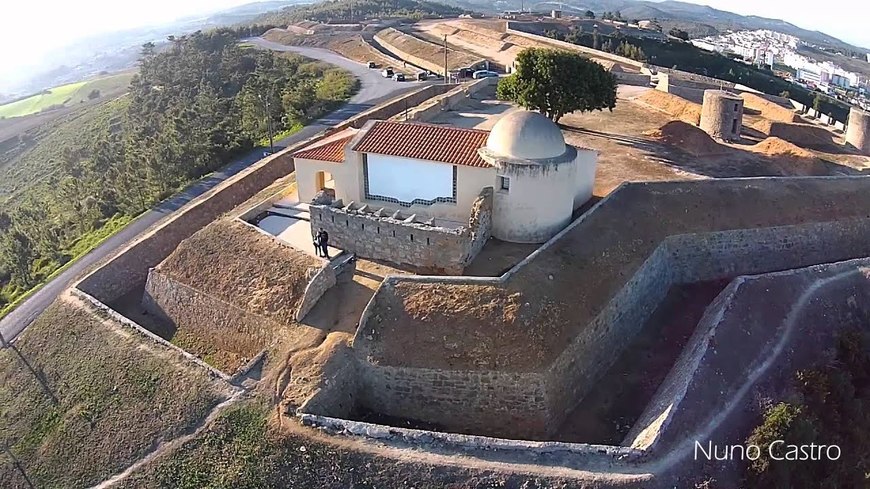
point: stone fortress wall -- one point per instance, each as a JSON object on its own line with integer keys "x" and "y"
{"x": 680, "y": 258}
{"x": 389, "y": 235}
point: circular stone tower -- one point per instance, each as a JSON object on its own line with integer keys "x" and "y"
{"x": 540, "y": 180}
{"x": 858, "y": 132}
{"x": 722, "y": 115}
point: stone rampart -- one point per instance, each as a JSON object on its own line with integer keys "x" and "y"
{"x": 746, "y": 348}
{"x": 374, "y": 233}
{"x": 591, "y": 353}
{"x": 481, "y": 402}
{"x": 128, "y": 269}
{"x": 677, "y": 259}
{"x": 516, "y": 29}
{"x": 381, "y": 38}
{"x": 200, "y": 315}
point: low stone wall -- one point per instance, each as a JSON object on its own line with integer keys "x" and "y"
{"x": 636, "y": 79}
{"x": 369, "y": 233}
{"x": 322, "y": 280}
{"x": 396, "y": 106}
{"x": 433, "y": 107}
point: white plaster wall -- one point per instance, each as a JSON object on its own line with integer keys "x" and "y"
{"x": 587, "y": 164}
{"x": 407, "y": 179}
{"x": 306, "y": 177}
{"x": 539, "y": 204}
{"x": 470, "y": 181}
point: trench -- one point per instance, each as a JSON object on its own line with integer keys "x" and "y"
{"x": 611, "y": 408}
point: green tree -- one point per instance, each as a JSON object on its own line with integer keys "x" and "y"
{"x": 785, "y": 94}
{"x": 589, "y": 14}
{"x": 555, "y": 83}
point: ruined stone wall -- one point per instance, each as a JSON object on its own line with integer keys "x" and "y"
{"x": 362, "y": 231}
{"x": 322, "y": 280}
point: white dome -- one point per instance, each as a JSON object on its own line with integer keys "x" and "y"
{"x": 526, "y": 135}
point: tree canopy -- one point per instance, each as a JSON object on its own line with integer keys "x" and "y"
{"x": 555, "y": 82}
{"x": 193, "y": 107}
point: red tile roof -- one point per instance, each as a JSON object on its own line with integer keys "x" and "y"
{"x": 445, "y": 144}
{"x": 331, "y": 151}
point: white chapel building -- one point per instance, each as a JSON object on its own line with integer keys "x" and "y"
{"x": 436, "y": 172}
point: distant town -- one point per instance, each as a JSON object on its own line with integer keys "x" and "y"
{"x": 777, "y": 50}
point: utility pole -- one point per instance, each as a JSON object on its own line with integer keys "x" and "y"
{"x": 446, "y": 73}
{"x": 268, "y": 123}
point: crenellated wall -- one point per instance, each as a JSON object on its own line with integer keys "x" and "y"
{"x": 364, "y": 231}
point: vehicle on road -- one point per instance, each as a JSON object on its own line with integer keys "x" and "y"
{"x": 466, "y": 73}
{"x": 422, "y": 76}
{"x": 483, "y": 74}
{"x": 372, "y": 64}
{"x": 387, "y": 73}
{"x": 399, "y": 77}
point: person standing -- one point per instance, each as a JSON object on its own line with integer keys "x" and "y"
{"x": 317, "y": 248}
{"x": 323, "y": 238}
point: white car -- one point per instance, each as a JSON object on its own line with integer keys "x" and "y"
{"x": 483, "y": 74}
{"x": 387, "y": 73}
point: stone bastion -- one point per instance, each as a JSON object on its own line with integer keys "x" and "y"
{"x": 533, "y": 342}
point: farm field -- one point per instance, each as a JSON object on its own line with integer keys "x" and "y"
{"x": 67, "y": 95}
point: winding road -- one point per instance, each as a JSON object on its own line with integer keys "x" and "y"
{"x": 373, "y": 89}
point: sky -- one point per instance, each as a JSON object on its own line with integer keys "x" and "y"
{"x": 30, "y": 29}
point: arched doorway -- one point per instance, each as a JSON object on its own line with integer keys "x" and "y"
{"x": 323, "y": 179}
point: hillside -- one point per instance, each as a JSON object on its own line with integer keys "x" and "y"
{"x": 696, "y": 19}
{"x": 68, "y": 95}
{"x": 347, "y": 10}
{"x": 81, "y": 398}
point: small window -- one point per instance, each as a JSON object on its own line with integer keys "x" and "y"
{"x": 734, "y": 126}
{"x": 736, "y": 106}
{"x": 504, "y": 183}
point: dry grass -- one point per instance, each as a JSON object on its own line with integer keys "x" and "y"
{"x": 804, "y": 135}
{"x": 243, "y": 267}
{"x": 427, "y": 51}
{"x": 688, "y": 138}
{"x": 768, "y": 108}
{"x": 677, "y": 107}
{"x": 117, "y": 396}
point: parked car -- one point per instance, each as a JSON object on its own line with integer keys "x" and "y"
{"x": 422, "y": 76}
{"x": 399, "y": 77}
{"x": 372, "y": 64}
{"x": 483, "y": 74}
{"x": 388, "y": 72}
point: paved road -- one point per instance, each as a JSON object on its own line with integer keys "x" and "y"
{"x": 373, "y": 90}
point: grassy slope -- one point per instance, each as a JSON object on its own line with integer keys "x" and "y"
{"x": 241, "y": 451}
{"x": 117, "y": 397}
{"x": 23, "y": 169}
{"x": 66, "y": 95}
